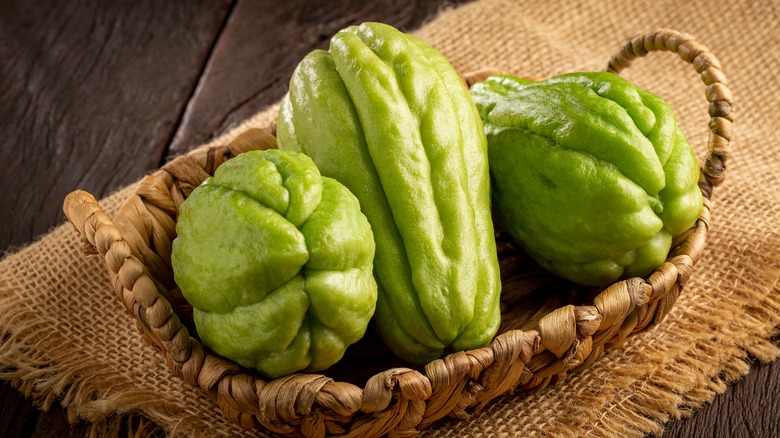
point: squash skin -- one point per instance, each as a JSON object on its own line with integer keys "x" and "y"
{"x": 386, "y": 115}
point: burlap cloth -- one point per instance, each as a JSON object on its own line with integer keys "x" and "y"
{"x": 66, "y": 338}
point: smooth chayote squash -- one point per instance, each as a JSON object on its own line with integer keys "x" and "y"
{"x": 276, "y": 261}
{"x": 386, "y": 115}
{"x": 591, "y": 174}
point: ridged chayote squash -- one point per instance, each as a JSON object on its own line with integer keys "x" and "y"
{"x": 591, "y": 174}
{"x": 276, "y": 261}
{"x": 386, "y": 114}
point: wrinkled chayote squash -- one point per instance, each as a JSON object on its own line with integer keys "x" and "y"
{"x": 591, "y": 174}
{"x": 276, "y": 261}
{"x": 386, "y": 115}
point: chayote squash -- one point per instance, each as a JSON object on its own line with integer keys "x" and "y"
{"x": 276, "y": 261}
{"x": 591, "y": 174}
{"x": 386, "y": 115}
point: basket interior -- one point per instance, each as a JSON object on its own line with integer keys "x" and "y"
{"x": 529, "y": 292}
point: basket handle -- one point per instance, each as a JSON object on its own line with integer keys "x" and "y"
{"x": 102, "y": 237}
{"x": 84, "y": 213}
{"x": 717, "y": 92}
{"x": 135, "y": 288}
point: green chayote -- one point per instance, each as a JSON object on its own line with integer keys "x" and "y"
{"x": 591, "y": 174}
{"x": 276, "y": 261}
{"x": 386, "y": 115}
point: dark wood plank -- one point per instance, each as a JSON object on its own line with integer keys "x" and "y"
{"x": 749, "y": 408}
{"x": 90, "y": 95}
{"x": 18, "y": 416}
{"x": 54, "y": 424}
{"x": 263, "y": 42}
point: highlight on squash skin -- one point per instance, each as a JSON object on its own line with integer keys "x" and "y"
{"x": 591, "y": 174}
{"x": 277, "y": 262}
{"x": 387, "y": 115}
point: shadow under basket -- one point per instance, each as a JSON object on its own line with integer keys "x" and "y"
{"x": 549, "y": 326}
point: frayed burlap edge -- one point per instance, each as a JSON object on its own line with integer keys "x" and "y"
{"x": 691, "y": 378}
{"x": 111, "y": 405}
{"x": 645, "y": 399}
{"x": 664, "y": 374}
{"x": 79, "y": 386}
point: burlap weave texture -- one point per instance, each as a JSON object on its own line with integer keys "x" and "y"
{"x": 66, "y": 337}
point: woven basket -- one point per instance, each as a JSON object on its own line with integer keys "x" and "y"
{"x": 549, "y": 326}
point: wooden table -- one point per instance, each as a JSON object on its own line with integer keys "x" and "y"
{"x": 94, "y": 95}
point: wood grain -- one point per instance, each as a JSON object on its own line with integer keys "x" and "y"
{"x": 262, "y": 44}
{"x": 749, "y": 408}
{"x": 91, "y": 94}
{"x": 95, "y": 94}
